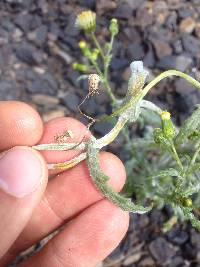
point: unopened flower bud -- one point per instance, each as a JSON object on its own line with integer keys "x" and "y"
{"x": 82, "y": 44}
{"x": 167, "y": 125}
{"x": 95, "y": 53}
{"x": 80, "y": 67}
{"x": 187, "y": 202}
{"x": 114, "y": 27}
{"x": 86, "y": 21}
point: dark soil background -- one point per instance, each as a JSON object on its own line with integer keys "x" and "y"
{"x": 38, "y": 44}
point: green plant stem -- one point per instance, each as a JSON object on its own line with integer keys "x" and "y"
{"x": 103, "y": 74}
{"x": 94, "y": 39}
{"x": 149, "y": 86}
{"x": 176, "y": 157}
{"x": 97, "y": 68}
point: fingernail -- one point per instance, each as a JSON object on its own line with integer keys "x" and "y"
{"x": 20, "y": 172}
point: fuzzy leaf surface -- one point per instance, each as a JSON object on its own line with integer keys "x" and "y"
{"x": 100, "y": 179}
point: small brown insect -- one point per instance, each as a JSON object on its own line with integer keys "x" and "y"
{"x": 93, "y": 82}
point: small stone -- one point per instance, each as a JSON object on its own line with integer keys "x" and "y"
{"x": 144, "y": 16}
{"x": 197, "y": 30}
{"x": 159, "y": 6}
{"x": 176, "y": 262}
{"x": 8, "y": 91}
{"x": 136, "y": 51}
{"x": 126, "y": 74}
{"x": 45, "y": 84}
{"x": 73, "y": 77}
{"x": 185, "y": 12}
{"x": 177, "y": 46}
{"x": 187, "y": 25}
{"x": 28, "y": 53}
{"x": 43, "y": 5}
{"x": 52, "y": 114}
{"x": 87, "y": 3}
{"x": 184, "y": 88}
{"x": 180, "y": 63}
{"x": 123, "y": 11}
{"x": 171, "y": 21}
{"x": 90, "y": 107}
{"x": 17, "y": 35}
{"x": 44, "y": 100}
{"x": 118, "y": 63}
{"x": 149, "y": 59}
{"x": 134, "y": 4}
{"x": 195, "y": 239}
{"x": 177, "y": 237}
{"x": 161, "y": 250}
{"x": 27, "y": 22}
{"x": 146, "y": 262}
{"x": 105, "y": 6}
{"x": 162, "y": 48}
{"x": 191, "y": 44}
{"x": 115, "y": 256}
{"x": 132, "y": 259}
{"x": 39, "y": 35}
{"x": 71, "y": 101}
{"x": 102, "y": 128}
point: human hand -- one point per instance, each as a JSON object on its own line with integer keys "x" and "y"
{"x": 30, "y": 209}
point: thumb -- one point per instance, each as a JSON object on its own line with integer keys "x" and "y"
{"x": 23, "y": 178}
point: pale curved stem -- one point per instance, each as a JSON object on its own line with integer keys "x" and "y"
{"x": 149, "y": 86}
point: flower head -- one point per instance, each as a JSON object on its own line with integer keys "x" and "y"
{"x": 86, "y": 21}
{"x": 82, "y": 44}
{"x": 167, "y": 125}
{"x": 114, "y": 27}
{"x": 165, "y": 115}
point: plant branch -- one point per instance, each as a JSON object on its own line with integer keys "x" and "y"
{"x": 149, "y": 86}
{"x": 103, "y": 74}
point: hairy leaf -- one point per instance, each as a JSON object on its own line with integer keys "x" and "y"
{"x": 165, "y": 173}
{"x": 190, "y": 216}
{"x": 100, "y": 180}
{"x": 189, "y": 126}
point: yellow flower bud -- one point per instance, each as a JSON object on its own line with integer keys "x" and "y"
{"x": 86, "y": 21}
{"x": 167, "y": 125}
{"x": 95, "y": 53}
{"x": 82, "y": 44}
{"x": 80, "y": 67}
{"x": 187, "y": 202}
{"x": 114, "y": 28}
{"x": 165, "y": 115}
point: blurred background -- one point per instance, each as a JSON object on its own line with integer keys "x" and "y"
{"x": 39, "y": 44}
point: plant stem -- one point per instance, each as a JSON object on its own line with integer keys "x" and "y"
{"x": 108, "y": 138}
{"x": 104, "y": 74}
{"x": 148, "y": 87}
{"x": 94, "y": 39}
{"x": 176, "y": 157}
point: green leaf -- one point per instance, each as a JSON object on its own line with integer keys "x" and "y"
{"x": 191, "y": 190}
{"x": 189, "y": 126}
{"x": 100, "y": 180}
{"x": 194, "y": 168}
{"x": 165, "y": 173}
{"x": 190, "y": 216}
